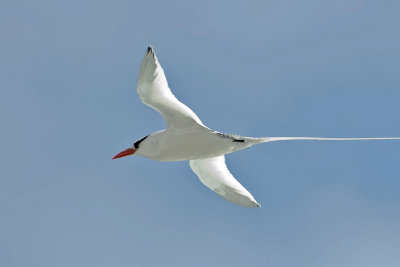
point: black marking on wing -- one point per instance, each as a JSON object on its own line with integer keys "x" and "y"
{"x": 234, "y": 138}
{"x": 136, "y": 144}
{"x": 150, "y": 50}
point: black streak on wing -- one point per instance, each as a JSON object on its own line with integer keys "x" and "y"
{"x": 232, "y": 137}
{"x": 136, "y": 144}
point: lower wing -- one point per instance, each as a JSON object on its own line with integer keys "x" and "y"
{"x": 214, "y": 174}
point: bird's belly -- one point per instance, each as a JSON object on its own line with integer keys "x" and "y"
{"x": 188, "y": 147}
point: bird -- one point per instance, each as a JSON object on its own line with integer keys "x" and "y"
{"x": 186, "y": 138}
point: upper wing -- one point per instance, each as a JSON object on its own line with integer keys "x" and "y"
{"x": 153, "y": 90}
{"x": 214, "y": 174}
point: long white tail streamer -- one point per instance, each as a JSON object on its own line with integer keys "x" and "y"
{"x": 270, "y": 139}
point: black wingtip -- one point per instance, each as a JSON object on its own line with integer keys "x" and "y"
{"x": 149, "y": 49}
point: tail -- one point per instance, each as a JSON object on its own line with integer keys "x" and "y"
{"x": 270, "y": 139}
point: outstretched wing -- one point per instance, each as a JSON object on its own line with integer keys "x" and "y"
{"x": 214, "y": 174}
{"x": 153, "y": 90}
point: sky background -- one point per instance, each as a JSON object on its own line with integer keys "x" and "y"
{"x": 68, "y": 72}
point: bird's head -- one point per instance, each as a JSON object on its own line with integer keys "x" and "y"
{"x": 131, "y": 150}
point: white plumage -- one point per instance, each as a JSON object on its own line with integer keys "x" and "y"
{"x": 187, "y": 138}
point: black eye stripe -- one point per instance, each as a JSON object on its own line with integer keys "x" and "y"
{"x": 136, "y": 144}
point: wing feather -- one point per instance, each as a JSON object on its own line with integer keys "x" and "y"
{"x": 214, "y": 174}
{"x": 153, "y": 90}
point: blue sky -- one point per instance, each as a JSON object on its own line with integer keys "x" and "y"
{"x": 68, "y": 73}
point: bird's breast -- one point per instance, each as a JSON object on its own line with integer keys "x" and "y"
{"x": 169, "y": 146}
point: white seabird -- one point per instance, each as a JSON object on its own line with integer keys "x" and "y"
{"x": 187, "y": 138}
